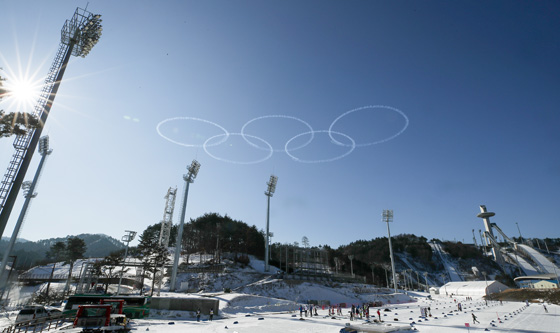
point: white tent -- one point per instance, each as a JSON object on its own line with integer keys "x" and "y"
{"x": 472, "y": 288}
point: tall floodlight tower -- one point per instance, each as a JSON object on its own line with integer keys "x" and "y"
{"x": 166, "y": 225}
{"x": 167, "y": 221}
{"x": 127, "y": 239}
{"x": 29, "y": 193}
{"x": 474, "y": 239}
{"x": 189, "y": 178}
{"x": 388, "y": 217}
{"x": 485, "y": 216}
{"x": 78, "y": 36}
{"x": 271, "y": 187}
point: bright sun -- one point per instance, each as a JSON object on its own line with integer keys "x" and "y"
{"x": 21, "y": 93}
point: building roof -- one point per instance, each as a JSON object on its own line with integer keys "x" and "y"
{"x": 472, "y": 288}
{"x": 537, "y": 277}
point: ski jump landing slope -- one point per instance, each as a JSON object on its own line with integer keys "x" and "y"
{"x": 542, "y": 261}
{"x": 526, "y": 267}
{"x": 449, "y": 267}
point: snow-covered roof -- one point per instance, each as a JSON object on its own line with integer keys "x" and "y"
{"x": 472, "y": 288}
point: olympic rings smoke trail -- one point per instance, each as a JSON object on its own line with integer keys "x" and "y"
{"x": 286, "y": 150}
{"x": 278, "y": 116}
{"x": 226, "y": 133}
{"x": 205, "y": 145}
{"x": 370, "y": 107}
{"x": 353, "y": 145}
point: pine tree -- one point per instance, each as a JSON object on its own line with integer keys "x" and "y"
{"x": 15, "y": 123}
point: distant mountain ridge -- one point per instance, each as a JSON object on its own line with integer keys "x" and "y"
{"x": 28, "y": 252}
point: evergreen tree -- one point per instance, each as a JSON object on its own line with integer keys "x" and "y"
{"x": 75, "y": 249}
{"x": 17, "y": 123}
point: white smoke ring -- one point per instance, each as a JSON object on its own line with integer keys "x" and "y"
{"x": 352, "y": 147}
{"x": 226, "y": 133}
{"x": 278, "y": 116}
{"x": 369, "y": 107}
{"x": 206, "y": 145}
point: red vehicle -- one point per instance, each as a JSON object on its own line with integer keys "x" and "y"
{"x": 100, "y": 318}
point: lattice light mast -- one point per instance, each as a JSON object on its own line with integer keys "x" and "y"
{"x": 269, "y": 192}
{"x": 189, "y": 178}
{"x": 78, "y": 36}
{"x": 166, "y": 225}
{"x": 167, "y": 221}
{"x": 29, "y": 193}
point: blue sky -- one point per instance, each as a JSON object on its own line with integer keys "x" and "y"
{"x": 478, "y": 83}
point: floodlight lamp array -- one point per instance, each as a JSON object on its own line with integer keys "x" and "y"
{"x": 129, "y": 236}
{"x": 271, "y": 185}
{"x": 44, "y": 145}
{"x": 387, "y": 215}
{"x": 26, "y": 187}
{"x": 193, "y": 171}
{"x": 84, "y": 30}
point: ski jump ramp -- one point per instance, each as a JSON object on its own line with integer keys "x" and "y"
{"x": 526, "y": 267}
{"x": 544, "y": 264}
{"x": 449, "y": 267}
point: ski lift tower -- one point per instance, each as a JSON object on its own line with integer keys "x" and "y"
{"x": 78, "y": 36}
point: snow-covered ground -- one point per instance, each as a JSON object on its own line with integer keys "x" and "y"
{"x": 508, "y": 317}
{"x": 244, "y": 313}
{"x": 262, "y": 303}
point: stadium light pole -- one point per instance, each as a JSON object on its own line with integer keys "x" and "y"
{"x": 388, "y": 217}
{"x": 29, "y": 193}
{"x": 78, "y": 36}
{"x": 444, "y": 284}
{"x": 521, "y": 237}
{"x": 485, "y": 280}
{"x": 192, "y": 172}
{"x": 126, "y": 238}
{"x": 351, "y": 257}
{"x": 271, "y": 187}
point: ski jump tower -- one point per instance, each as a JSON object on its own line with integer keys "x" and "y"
{"x": 485, "y": 216}
{"x": 78, "y": 36}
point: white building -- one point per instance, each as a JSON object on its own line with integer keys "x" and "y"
{"x": 472, "y": 288}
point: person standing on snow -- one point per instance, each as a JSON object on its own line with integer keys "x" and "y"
{"x": 474, "y": 319}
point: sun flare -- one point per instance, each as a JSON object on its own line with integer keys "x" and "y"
{"x": 21, "y": 93}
